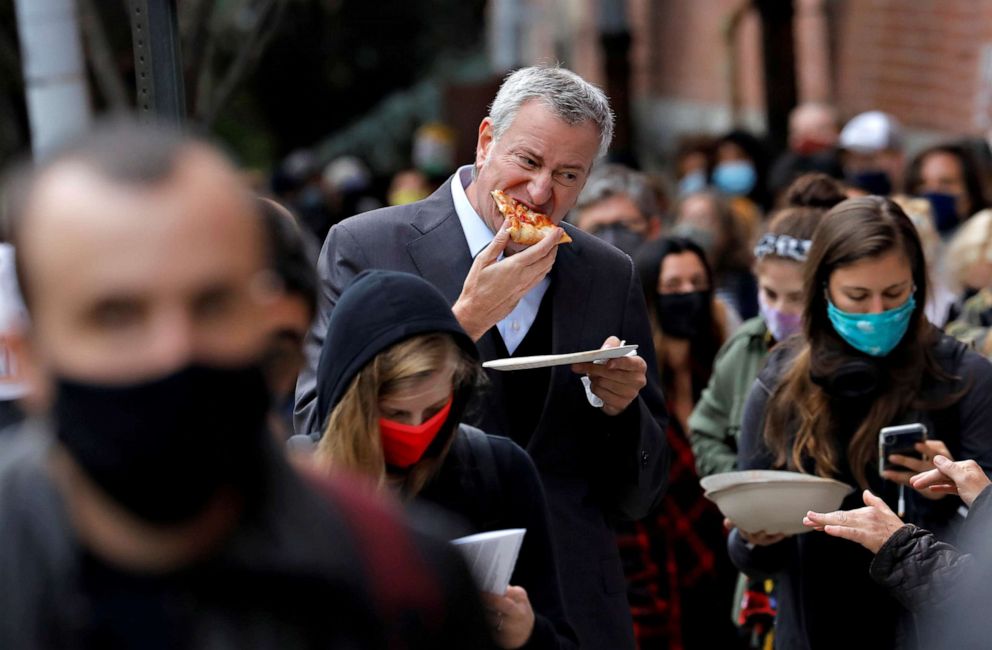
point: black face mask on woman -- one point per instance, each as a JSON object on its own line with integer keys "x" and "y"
{"x": 163, "y": 448}
{"x": 681, "y": 315}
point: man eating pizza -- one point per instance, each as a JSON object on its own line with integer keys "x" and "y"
{"x": 601, "y": 449}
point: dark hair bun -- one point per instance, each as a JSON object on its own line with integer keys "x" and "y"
{"x": 815, "y": 190}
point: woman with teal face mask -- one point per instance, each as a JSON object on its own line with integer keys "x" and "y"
{"x": 869, "y": 359}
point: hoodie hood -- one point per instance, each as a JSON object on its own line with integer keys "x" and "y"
{"x": 376, "y": 311}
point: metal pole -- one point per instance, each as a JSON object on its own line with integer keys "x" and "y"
{"x": 54, "y": 74}
{"x": 615, "y": 39}
{"x": 157, "y": 60}
{"x": 779, "y": 52}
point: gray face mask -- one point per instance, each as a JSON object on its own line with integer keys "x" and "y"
{"x": 620, "y": 236}
{"x": 705, "y": 239}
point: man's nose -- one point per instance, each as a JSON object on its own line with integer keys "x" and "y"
{"x": 539, "y": 188}
{"x": 173, "y": 342}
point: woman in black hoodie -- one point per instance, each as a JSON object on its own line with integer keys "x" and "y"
{"x": 395, "y": 375}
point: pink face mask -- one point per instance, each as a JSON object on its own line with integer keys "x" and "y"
{"x": 403, "y": 444}
{"x": 780, "y": 324}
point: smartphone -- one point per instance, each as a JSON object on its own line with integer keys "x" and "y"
{"x": 899, "y": 440}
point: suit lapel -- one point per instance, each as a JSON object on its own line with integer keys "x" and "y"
{"x": 440, "y": 253}
{"x": 571, "y": 284}
{"x": 488, "y": 347}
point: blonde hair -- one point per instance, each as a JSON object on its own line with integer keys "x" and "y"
{"x": 971, "y": 244}
{"x": 920, "y": 212}
{"x": 351, "y": 439}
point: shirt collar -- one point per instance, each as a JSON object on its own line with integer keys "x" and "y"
{"x": 477, "y": 233}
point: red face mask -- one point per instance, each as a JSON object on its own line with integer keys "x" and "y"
{"x": 404, "y": 444}
{"x": 810, "y": 146}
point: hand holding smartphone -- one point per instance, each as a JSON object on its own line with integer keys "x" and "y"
{"x": 901, "y": 440}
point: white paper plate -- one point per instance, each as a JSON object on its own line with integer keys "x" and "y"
{"x": 778, "y": 506}
{"x": 546, "y": 360}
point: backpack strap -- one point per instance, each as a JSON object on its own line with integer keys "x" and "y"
{"x": 484, "y": 474}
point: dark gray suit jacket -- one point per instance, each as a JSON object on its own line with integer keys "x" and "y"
{"x": 595, "y": 468}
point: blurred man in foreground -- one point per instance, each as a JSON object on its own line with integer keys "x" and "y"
{"x": 150, "y": 507}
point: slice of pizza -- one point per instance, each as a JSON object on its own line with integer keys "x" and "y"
{"x": 524, "y": 225}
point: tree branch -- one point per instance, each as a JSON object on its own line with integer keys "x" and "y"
{"x": 101, "y": 58}
{"x": 194, "y": 24}
{"x": 265, "y": 27}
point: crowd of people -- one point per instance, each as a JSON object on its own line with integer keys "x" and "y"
{"x": 221, "y": 432}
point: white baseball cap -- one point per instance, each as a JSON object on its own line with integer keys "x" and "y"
{"x": 871, "y": 132}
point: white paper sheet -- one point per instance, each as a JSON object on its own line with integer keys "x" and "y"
{"x": 491, "y": 557}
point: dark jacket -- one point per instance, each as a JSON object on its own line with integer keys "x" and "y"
{"x": 289, "y": 576}
{"x": 491, "y": 483}
{"x": 947, "y": 587}
{"x": 824, "y": 580}
{"x": 595, "y": 468}
{"x": 382, "y": 308}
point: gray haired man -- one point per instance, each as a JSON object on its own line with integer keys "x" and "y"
{"x": 619, "y": 206}
{"x": 600, "y": 445}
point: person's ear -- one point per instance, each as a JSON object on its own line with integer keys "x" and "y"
{"x": 654, "y": 228}
{"x": 30, "y": 370}
{"x": 485, "y": 142}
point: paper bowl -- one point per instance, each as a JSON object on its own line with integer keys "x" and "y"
{"x": 728, "y": 479}
{"x": 777, "y": 504}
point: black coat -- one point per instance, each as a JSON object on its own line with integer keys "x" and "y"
{"x": 292, "y": 574}
{"x": 947, "y": 587}
{"x": 494, "y": 487}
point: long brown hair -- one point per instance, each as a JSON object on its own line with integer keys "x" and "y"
{"x": 352, "y": 440}
{"x": 854, "y": 230}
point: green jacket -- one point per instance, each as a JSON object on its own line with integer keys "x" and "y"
{"x": 716, "y": 420}
{"x": 972, "y": 326}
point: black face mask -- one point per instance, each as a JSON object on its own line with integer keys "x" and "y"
{"x": 163, "y": 448}
{"x": 620, "y": 236}
{"x": 681, "y": 315}
{"x": 874, "y": 182}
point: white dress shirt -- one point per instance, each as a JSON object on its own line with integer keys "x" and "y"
{"x": 517, "y": 323}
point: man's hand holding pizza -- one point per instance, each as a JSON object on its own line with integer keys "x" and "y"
{"x": 493, "y": 287}
{"x": 618, "y": 381}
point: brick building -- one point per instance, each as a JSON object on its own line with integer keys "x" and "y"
{"x": 696, "y": 65}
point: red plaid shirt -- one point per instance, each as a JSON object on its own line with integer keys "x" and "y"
{"x": 679, "y": 577}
